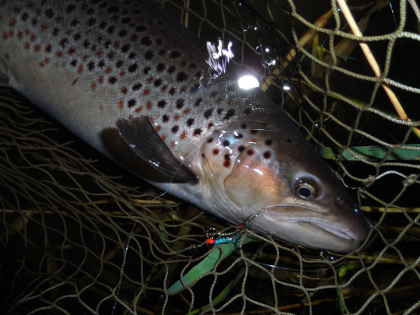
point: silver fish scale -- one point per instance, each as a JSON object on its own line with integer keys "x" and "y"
{"x": 138, "y": 64}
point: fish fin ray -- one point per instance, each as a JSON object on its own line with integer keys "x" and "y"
{"x": 141, "y": 150}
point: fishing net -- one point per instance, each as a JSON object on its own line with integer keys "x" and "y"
{"x": 81, "y": 236}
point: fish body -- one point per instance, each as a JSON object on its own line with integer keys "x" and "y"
{"x": 132, "y": 83}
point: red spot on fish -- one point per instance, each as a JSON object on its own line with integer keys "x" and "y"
{"x": 99, "y": 53}
{"x": 108, "y": 70}
{"x": 177, "y": 117}
{"x": 163, "y": 137}
{"x": 121, "y": 74}
{"x": 42, "y": 64}
{"x": 146, "y": 92}
{"x": 44, "y": 27}
{"x": 37, "y": 47}
{"x": 216, "y": 151}
{"x": 80, "y": 69}
{"x": 120, "y": 104}
{"x": 226, "y": 163}
{"x": 47, "y": 61}
{"x": 149, "y": 105}
{"x": 157, "y": 128}
{"x": 93, "y": 85}
{"x": 250, "y": 152}
{"x": 12, "y": 22}
{"x": 59, "y": 54}
{"x": 124, "y": 90}
{"x": 187, "y": 111}
{"x": 71, "y": 51}
{"x": 138, "y": 109}
{"x": 149, "y": 80}
{"x": 183, "y": 135}
{"x": 101, "y": 79}
{"x": 33, "y": 37}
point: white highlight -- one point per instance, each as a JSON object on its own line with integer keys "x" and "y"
{"x": 286, "y": 87}
{"x": 248, "y": 81}
{"x": 219, "y": 57}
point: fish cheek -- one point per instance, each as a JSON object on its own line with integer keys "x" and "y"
{"x": 253, "y": 184}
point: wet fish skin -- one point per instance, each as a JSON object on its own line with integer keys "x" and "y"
{"x": 129, "y": 81}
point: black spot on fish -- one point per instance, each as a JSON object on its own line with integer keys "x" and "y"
{"x": 225, "y": 143}
{"x": 122, "y": 33}
{"x": 172, "y": 91}
{"x": 209, "y": 140}
{"x": 208, "y": 113}
{"x": 198, "y": 102}
{"x": 119, "y": 63}
{"x": 132, "y": 68}
{"x": 175, "y": 129}
{"x": 254, "y": 131}
{"x": 132, "y": 55}
{"x": 238, "y": 135}
{"x": 268, "y": 142}
{"x": 111, "y": 29}
{"x": 91, "y": 66}
{"x": 125, "y": 48}
{"x": 267, "y": 154}
{"x": 70, "y": 8}
{"x": 160, "y": 67}
{"x": 141, "y": 28}
{"x": 74, "y": 22}
{"x": 197, "y": 132}
{"x": 137, "y": 86}
{"x": 77, "y": 36}
{"x": 146, "y": 41}
{"x": 146, "y": 70}
{"x": 182, "y": 76}
{"x": 112, "y": 80}
{"x": 220, "y": 111}
{"x": 25, "y": 16}
{"x": 180, "y": 103}
{"x": 148, "y": 55}
{"x": 91, "y": 22}
{"x": 49, "y": 13}
{"x": 171, "y": 69}
{"x": 165, "y": 118}
{"x": 175, "y": 54}
{"x": 190, "y": 122}
{"x": 158, "y": 82}
{"x": 162, "y": 103}
{"x": 250, "y": 152}
{"x": 241, "y": 148}
{"x": 131, "y": 103}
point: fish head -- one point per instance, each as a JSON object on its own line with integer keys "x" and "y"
{"x": 275, "y": 182}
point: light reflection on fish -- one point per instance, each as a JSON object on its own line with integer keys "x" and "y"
{"x": 133, "y": 85}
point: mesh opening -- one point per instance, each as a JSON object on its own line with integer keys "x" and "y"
{"x": 80, "y": 235}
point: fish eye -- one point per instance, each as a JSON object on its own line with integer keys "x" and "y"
{"x": 305, "y": 190}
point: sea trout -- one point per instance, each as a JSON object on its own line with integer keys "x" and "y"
{"x": 126, "y": 79}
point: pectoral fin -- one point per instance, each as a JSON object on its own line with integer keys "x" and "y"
{"x": 136, "y": 146}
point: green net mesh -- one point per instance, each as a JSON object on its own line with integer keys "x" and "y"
{"x": 80, "y": 236}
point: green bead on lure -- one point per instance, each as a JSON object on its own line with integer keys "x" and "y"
{"x": 132, "y": 83}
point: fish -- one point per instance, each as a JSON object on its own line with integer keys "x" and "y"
{"x": 131, "y": 81}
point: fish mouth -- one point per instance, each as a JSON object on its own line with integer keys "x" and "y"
{"x": 314, "y": 228}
